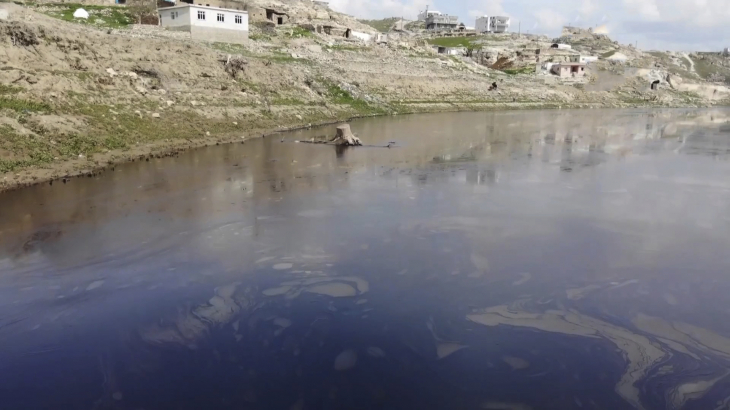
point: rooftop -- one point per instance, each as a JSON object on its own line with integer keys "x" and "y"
{"x": 199, "y": 6}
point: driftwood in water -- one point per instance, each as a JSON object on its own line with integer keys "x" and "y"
{"x": 345, "y": 136}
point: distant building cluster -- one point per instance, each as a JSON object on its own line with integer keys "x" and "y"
{"x": 492, "y": 24}
{"x": 437, "y": 21}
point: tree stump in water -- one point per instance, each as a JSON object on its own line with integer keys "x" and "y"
{"x": 345, "y": 136}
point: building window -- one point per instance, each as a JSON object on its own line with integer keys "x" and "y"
{"x": 221, "y": 18}
{"x": 239, "y": 19}
{"x": 201, "y": 15}
{"x": 174, "y": 15}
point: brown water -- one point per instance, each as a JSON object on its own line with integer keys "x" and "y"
{"x": 514, "y": 260}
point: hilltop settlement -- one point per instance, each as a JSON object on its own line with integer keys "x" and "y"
{"x": 83, "y": 86}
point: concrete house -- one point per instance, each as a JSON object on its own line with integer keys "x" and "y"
{"x": 422, "y": 16}
{"x": 492, "y": 24}
{"x": 567, "y": 70}
{"x": 207, "y": 23}
{"x": 498, "y": 24}
{"x": 482, "y": 25}
{"x": 442, "y": 22}
{"x": 587, "y": 59}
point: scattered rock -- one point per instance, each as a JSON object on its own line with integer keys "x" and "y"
{"x": 346, "y": 360}
{"x": 155, "y": 115}
{"x": 96, "y": 284}
{"x": 111, "y": 72}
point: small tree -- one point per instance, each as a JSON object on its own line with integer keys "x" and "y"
{"x": 140, "y": 9}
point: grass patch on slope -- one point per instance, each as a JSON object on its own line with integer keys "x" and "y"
{"x": 706, "y": 69}
{"x": 383, "y": 25}
{"x": 99, "y": 16}
{"x": 454, "y": 41}
{"x": 19, "y": 105}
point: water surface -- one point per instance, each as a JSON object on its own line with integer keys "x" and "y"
{"x": 512, "y": 260}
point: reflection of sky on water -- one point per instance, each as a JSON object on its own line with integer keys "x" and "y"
{"x": 609, "y": 214}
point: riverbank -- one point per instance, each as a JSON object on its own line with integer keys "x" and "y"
{"x": 77, "y": 99}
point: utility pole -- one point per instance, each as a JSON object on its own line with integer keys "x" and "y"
{"x": 519, "y": 29}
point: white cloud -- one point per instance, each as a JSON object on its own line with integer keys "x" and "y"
{"x": 630, "y": 19}
{"x": 548, "y": 19}
{"x": 588, "y": 8}
{"x": 647, "y": 9}
{"x": 486, "y": 8}
{"x": 374, "y": 9}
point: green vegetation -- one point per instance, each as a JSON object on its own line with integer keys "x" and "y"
{"x": 383, "y": 25}
{"x": 287, "y": 101}
{"x": 467, "y": 42}
{"x": 100, "y": 16}
{"x": 521, "y": 70}
{"x": 343, "y": 97}
{"x": 9, "y": 89}
{"x": 608, "y": 54}
{"x": 708, "y": 70}
{"x": 299, "y": 32}
{"x": 259, "y": 37}
{"x": 342, "y": 47}
{"x": 18, "y": 105}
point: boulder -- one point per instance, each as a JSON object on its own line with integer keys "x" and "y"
{"x": 345, "y": 137}
{"x": 674, "y": 80}
{"x": 4, "y": 14}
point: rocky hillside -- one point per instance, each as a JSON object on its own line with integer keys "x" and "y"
{"x": 77, "y": 97}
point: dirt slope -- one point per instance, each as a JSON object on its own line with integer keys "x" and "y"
{"x": 75, "y": 98}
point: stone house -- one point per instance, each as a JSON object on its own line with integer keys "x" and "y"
{"x": 569, "y": 69}
{"x": 206, "y": 23}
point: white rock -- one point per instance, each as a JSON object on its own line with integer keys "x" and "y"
{"x": 111, "y": 72}
{"x": 346, "y": 360}
{"x": 155, "y": 115}
{"x": 169, "y": 103}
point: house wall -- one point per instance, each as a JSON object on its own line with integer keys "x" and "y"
{"x": 482, "y": 24}
{"x": 588, "y": 59}
{"x": 210, "y": 29}
{"x": 218, "y": 35}
{"x": 211, "y": 20}
{"x": 180, "y": 22}
{"x": 499, "y": 24}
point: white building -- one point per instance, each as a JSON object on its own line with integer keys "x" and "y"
{"x": 422, "y": 16}
{"x": 361, "y": 36}
{"x": 207, "y": 23}
{"x": 482, "y": 24}
{"x": 587, "y": 59}
{"x": 498, "y": 24}
{"x": 493, "y": 24}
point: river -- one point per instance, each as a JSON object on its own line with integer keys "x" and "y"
{"x": 505, "y": 260}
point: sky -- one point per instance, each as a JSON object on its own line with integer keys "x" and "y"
{"x": 677, "y": 25}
